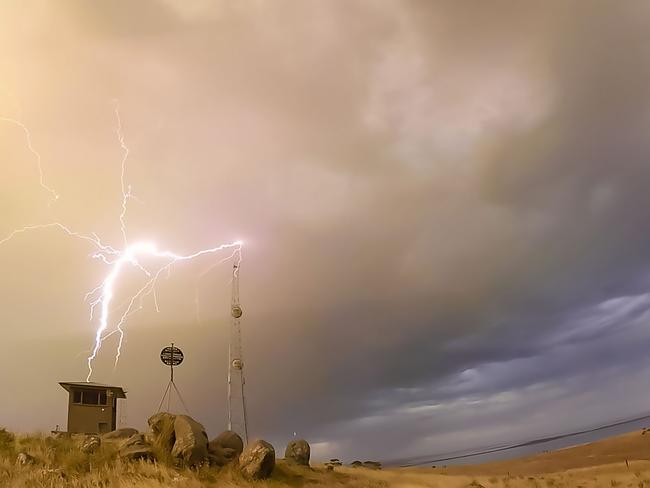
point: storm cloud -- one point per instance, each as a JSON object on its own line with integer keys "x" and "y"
{"x": 443, "y": 204}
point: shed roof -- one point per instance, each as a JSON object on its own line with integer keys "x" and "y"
{"x": 117, "y": 390}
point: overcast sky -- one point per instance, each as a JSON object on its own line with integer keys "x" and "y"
{"x": 444, "y": 207}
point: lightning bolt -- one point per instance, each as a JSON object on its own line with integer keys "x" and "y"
{"x": 118, "y": 259}
{"x": 54, "y": 195}
{"x": 130, "y": 256}
{"x": 126, "y": 190}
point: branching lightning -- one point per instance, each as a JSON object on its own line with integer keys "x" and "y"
{"x": 117, "y": 259}
{"x": 126, "y": 190}
{"x": 130, "y": 255}
{"x": 54, "y": 195}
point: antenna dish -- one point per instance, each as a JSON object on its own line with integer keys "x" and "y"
{"x": 236, "y": 311}
{"x": 171, "y": 356}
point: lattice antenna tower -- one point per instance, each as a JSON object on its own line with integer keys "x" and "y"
{"x": 236, "y": 382}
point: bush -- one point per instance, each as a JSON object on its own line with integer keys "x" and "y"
{"x": 7, "y": 442}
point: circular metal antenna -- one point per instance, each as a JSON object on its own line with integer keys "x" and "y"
{"x": 171, "y": 356}
{"x": 236, "y": 311}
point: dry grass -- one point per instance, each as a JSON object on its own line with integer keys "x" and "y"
{"x": 597, "y": 477}
{"x": 61, "y": 463}
{"x": 617, "y": 462}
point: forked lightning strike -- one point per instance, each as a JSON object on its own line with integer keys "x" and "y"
{"x": 130, "y": 256}
{"x": 103, "y": 294}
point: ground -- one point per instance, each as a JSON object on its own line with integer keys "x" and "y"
{"x": 618, "y": 462}
{"x": 621, "y": 461}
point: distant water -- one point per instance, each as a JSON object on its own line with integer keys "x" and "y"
{"x": 535, "y": 446}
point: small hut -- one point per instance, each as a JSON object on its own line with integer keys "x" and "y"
{"x": 92, "y": 407}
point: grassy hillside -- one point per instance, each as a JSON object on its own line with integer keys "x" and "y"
{"x": 633, "y": 447}
{"x": 59, "y": 462}
{"x": 618, "y": 462}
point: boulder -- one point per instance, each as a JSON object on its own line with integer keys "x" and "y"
{"x": 225, "y": 448}
{"x": 24, "y": 459}
{"x": 90, "y": 444}
{"x": 298, "y": 452}
{"x": 119, "y": 434}
{"x": 257, "y": 461}
{"x": 162, "y": 430}
{"x": 135, "y": 448}
{"x": 134, "y": 440}
{"x": 191, "y": 444}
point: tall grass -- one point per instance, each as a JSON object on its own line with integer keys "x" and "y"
{"x": 60, "y": 463}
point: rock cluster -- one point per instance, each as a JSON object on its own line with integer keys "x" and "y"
{"x": 181, "y": 436}
{"x": 185, "y": 441}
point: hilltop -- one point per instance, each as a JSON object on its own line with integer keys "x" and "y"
{"x": 622, "y": 461}
{"x": 61, "y": 462}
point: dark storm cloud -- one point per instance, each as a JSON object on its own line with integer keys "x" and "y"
{"x": 443, "y": 205}
{"x": 582, "y": 172}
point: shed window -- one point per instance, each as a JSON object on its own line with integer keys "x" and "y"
{"x": 89, "y": 397}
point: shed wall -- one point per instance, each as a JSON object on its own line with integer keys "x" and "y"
{"x": 85, "y": 419}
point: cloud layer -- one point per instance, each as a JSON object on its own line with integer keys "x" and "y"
{"x": 443, "y": 205}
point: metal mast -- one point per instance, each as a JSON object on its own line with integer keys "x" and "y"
{"x": 236, "y": 399}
